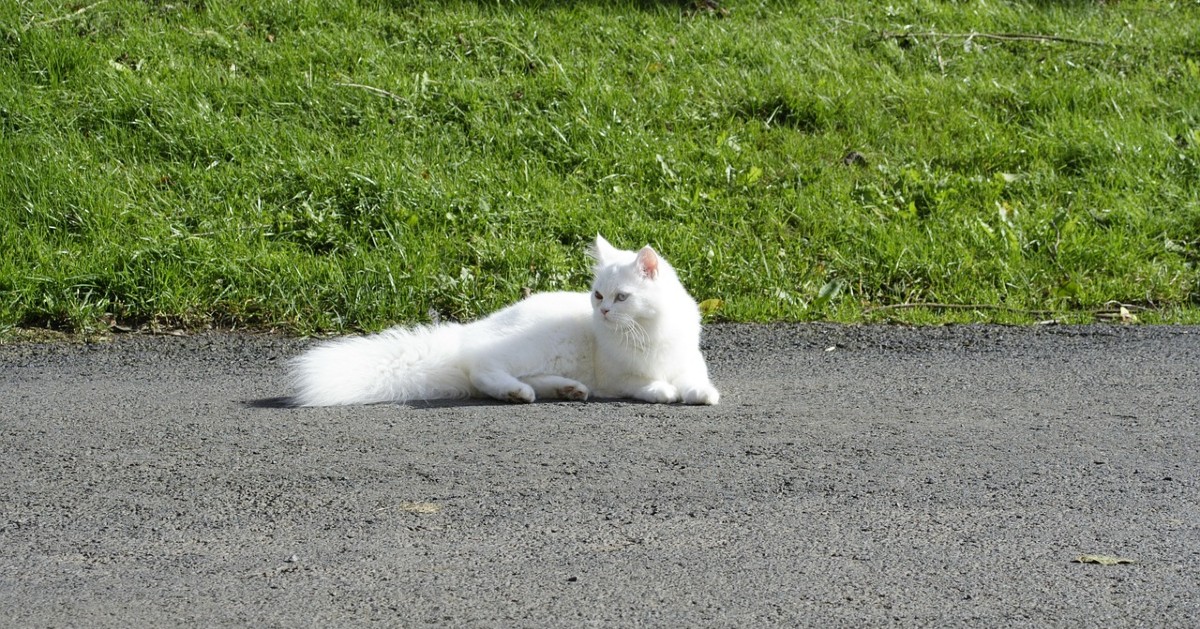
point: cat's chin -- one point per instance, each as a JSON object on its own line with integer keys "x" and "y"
{"x": 603, "y": 322}
{"x": 615, "y": 328}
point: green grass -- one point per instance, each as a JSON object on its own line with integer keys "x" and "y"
{"x": 316, "y": 166}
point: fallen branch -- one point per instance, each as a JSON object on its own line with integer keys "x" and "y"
{"x": 937, "y": 306}
{"x": 374, "y": 90}
{"x": 996, "y": 36}
{"x": 1111, "y": 309}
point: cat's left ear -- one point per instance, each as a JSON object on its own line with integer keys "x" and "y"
{"x": 647, "y": 263}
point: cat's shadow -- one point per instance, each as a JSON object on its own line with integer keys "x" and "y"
{"x": 289, "y": 402}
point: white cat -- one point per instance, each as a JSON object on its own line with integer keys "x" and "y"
{"x": 636, "y": 335}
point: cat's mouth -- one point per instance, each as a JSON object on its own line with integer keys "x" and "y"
{"x": 613, "y": 320}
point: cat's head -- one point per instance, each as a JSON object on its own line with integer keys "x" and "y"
{"x": 629, "y": 286}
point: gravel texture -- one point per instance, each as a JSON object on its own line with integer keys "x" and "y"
{"x": 851, "y": 477}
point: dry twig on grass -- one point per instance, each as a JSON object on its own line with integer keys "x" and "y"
{"x": 995, "y": 36}
{"x": 73, "y": 14}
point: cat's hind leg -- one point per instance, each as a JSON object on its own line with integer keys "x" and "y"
{"x": 502, "y": 386}
{"x": 557, "y": 387}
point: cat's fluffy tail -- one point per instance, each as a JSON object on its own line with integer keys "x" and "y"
{"x": 421, "y": 363}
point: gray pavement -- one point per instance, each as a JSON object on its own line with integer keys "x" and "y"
{"x": 852, "y": 476}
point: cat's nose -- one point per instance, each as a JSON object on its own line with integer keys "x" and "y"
{"x": 604, "y": 311}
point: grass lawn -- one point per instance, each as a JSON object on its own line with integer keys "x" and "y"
{"x": 330, "y": 166}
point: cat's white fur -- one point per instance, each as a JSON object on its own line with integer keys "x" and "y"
{"x": 637, "y": 334}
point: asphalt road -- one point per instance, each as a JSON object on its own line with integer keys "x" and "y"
{"x": 851, "y": 476}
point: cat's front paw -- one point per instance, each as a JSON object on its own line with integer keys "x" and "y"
{"x": 522, "y": 395}
{"x": 705, "y": 394}
{"x": 658, "y": 392}
{"x": 577, "y": 392}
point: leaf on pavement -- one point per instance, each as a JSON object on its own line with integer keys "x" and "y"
{"x": 1104, "y": 560}
{"x": 421, "y": 507}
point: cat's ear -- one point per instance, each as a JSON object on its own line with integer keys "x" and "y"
{"x": 601, "y": 250}
{"x": 647, "y": 263}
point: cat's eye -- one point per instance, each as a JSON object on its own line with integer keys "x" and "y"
{"x": 622, "y": 296}
{"x": 597, "y": 295}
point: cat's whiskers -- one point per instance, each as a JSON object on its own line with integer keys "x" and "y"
{"x": 631, "y": 331}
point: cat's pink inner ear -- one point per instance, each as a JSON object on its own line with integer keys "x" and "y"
{"x": 647, "y": 262}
